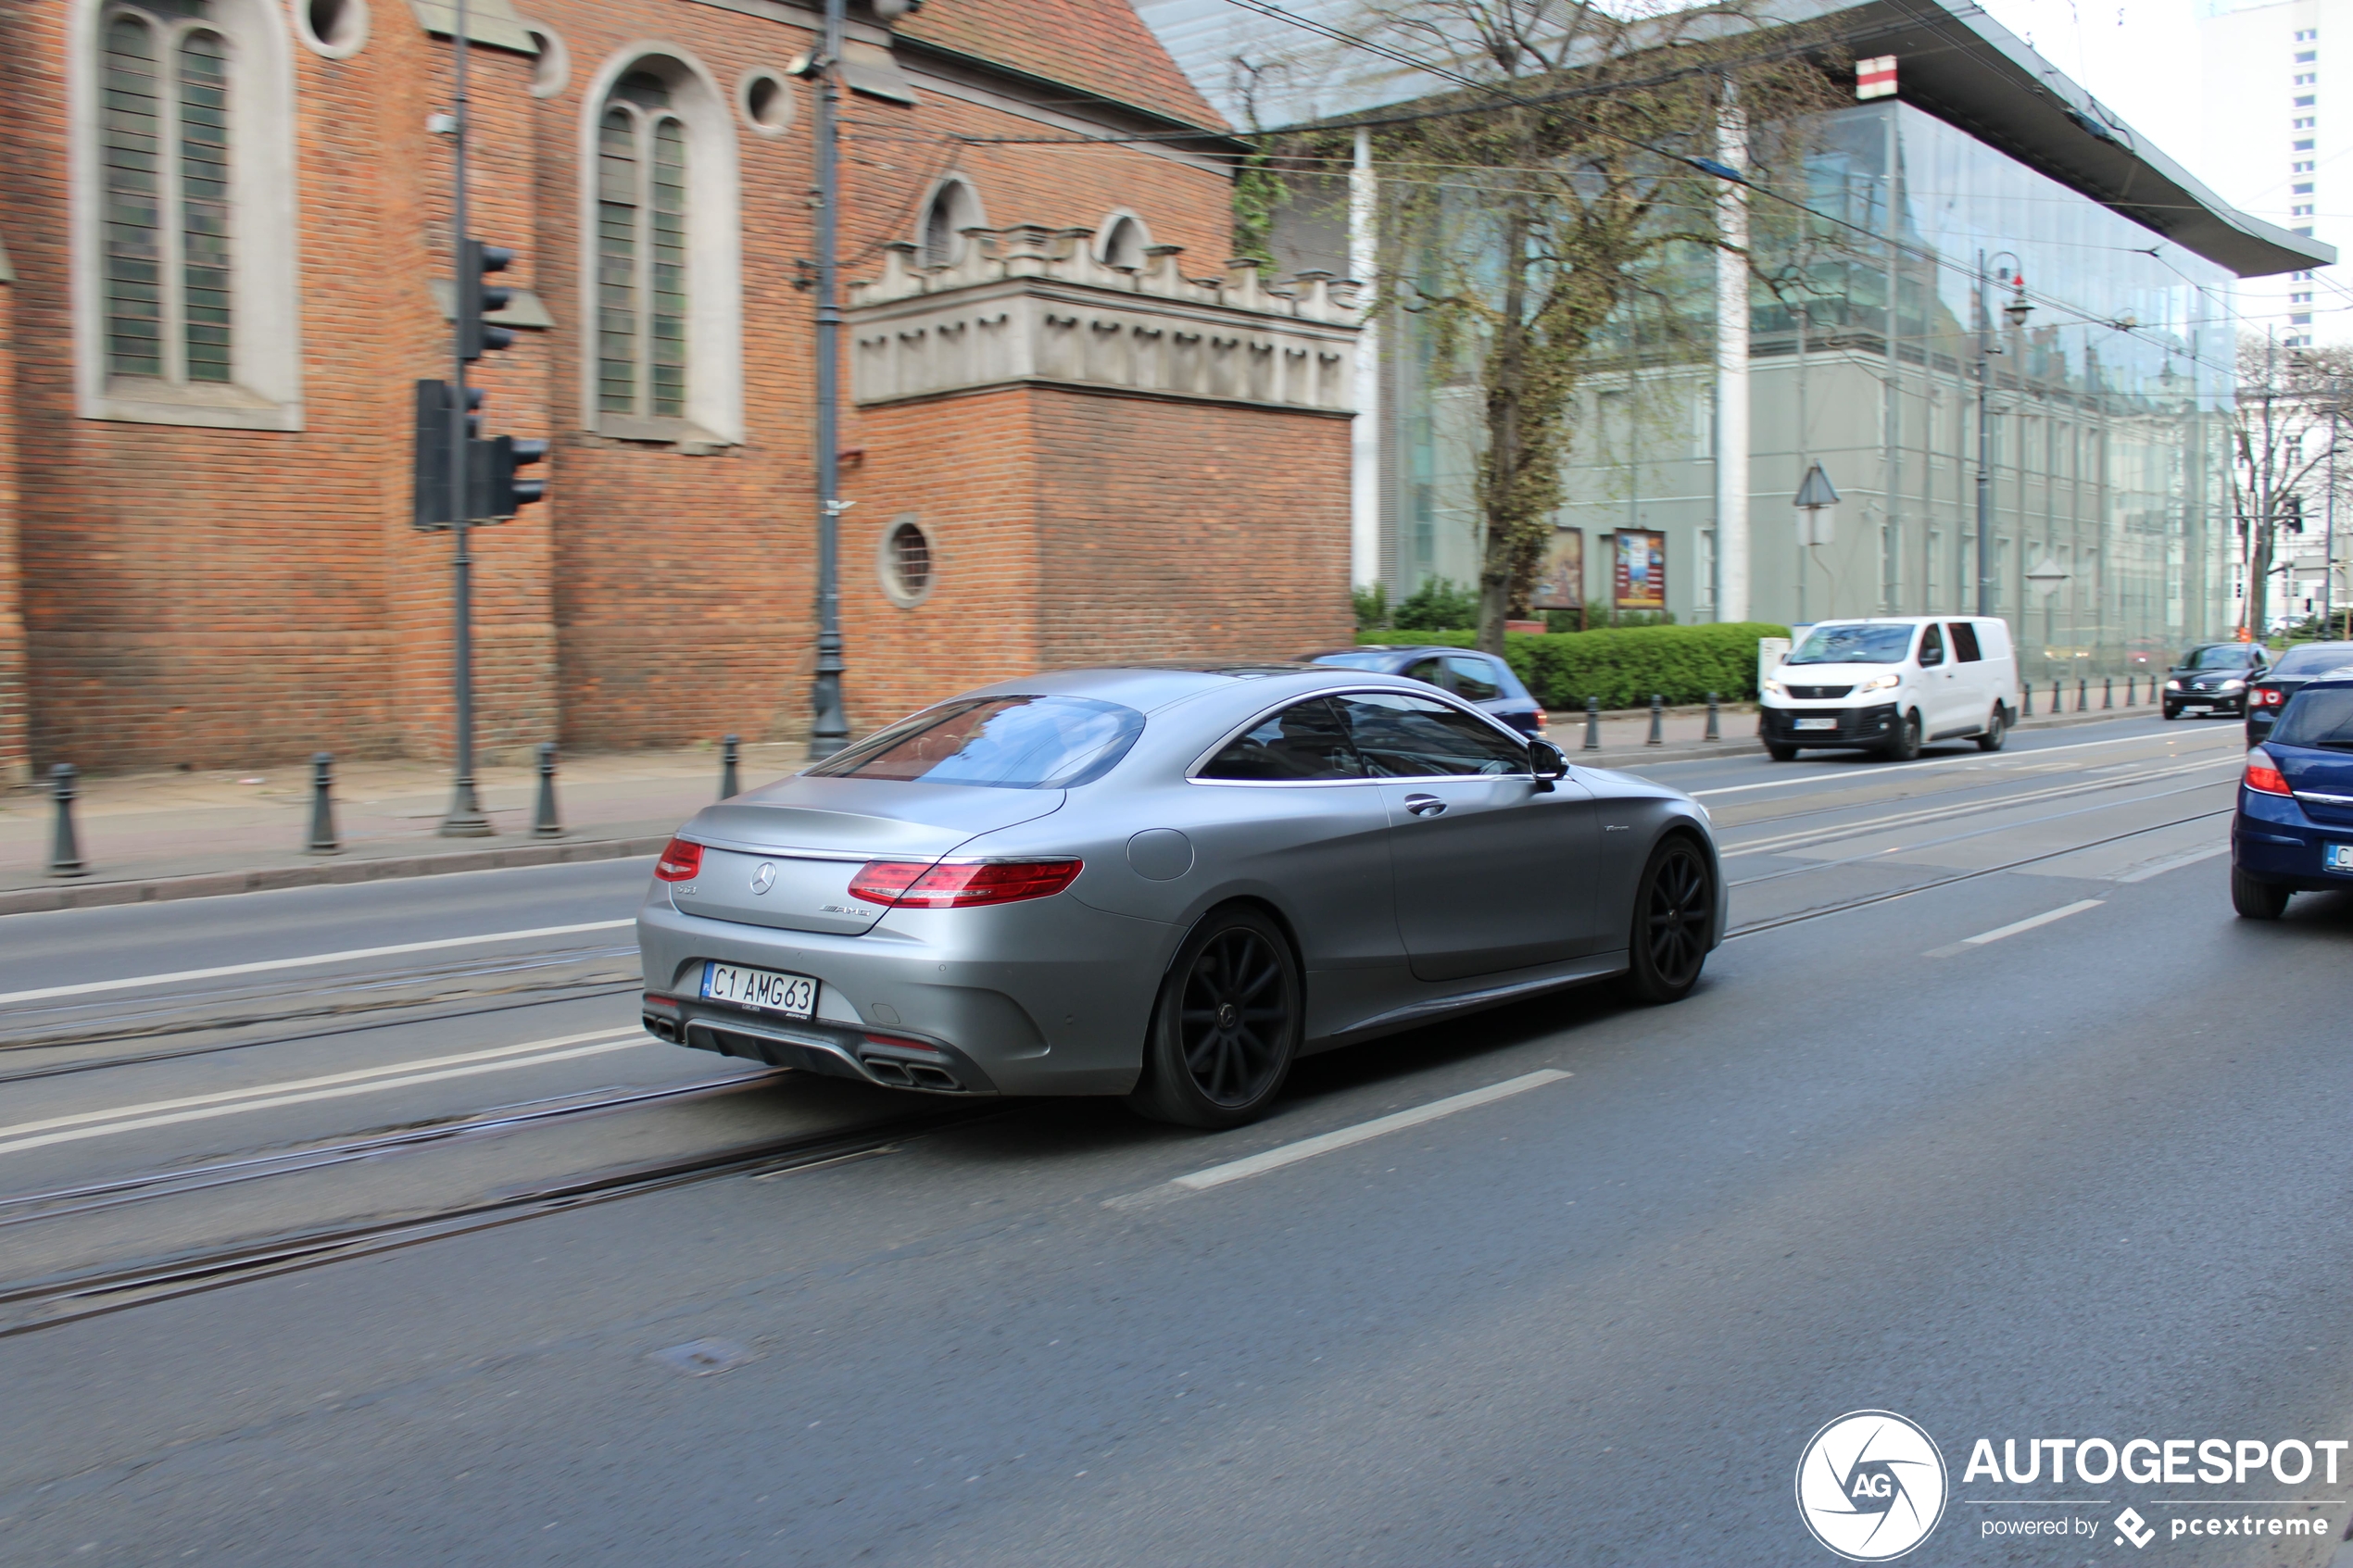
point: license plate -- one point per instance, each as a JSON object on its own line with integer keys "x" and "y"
{"x": 1831, "y": 723}
{"x": 795, "y": 996}
{"x": 2197, "y": 707}
{"x": 2337, "y": 856}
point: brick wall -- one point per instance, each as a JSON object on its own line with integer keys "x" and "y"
{"x": 220, "y": 597}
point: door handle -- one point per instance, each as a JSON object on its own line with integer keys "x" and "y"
{"x": 1425, "y": 805}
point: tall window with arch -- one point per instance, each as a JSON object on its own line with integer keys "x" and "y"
{"x": 168, "y": 255}
{"x": 641, "y": 251}
{"x": 953, "y": 209}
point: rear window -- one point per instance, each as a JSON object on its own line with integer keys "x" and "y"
{"x": 2306, "y": 663}
{"x": 1884, "y": 644}
{"x": 998, "y": 741}
{"x": 2317, "y": 716}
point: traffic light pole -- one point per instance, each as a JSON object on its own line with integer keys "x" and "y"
{"x": 465, "y": 819}
{"x": 829, "y": 726}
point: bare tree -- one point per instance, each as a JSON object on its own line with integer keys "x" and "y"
{"x": 2293, "y": 407}
{"x": 1550, "y": 192}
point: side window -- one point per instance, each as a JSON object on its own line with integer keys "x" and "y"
{"x": 1474, "y": 679}
{"x": 1430, "y": 670}
{"x": 1932, "y": 647}
{"x": 1412, "y": 737}
{"x": 1965, "y": 647}
{"x": 1304, "y": 743}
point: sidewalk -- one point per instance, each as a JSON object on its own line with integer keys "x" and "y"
{"x": 146, "y": 836}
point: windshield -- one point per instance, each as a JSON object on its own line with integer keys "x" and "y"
{"x": 2322, "y": 716}
{"x": 2225, "y": 656}
{"x": 2306, "y": 663}
{"x": 999, "y": 742}
{"x": 1854, "y": 644}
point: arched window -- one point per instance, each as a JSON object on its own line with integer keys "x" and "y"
{"x": 641, "y": 253}
{"x": 953, "y": 209}
{"x": 662, "y": 241}
{"x": 1124, "y": 240}
{"x": 184, "y": 268}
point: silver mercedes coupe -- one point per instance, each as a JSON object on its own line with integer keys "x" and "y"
{"x": 1166, "y": 883}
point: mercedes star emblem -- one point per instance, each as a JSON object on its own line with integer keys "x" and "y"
{"x": 765, "y": 877}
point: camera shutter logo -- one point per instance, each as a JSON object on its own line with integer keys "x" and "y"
{"x": 1871, "y": 1485}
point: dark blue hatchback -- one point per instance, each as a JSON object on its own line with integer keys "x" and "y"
{"x": 2293, "y": 829}
{"x": 1479, "y": 679}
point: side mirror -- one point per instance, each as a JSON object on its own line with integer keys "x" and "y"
{"x": 1547, "y": 761}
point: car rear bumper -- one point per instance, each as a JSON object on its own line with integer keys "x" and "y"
{"x": 1867, "y": 726}
{"x": 2272, "y": 839}
{"x": 1044, "y": 996}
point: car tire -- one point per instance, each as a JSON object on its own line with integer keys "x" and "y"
{"x": 1997, "y": 731}
{"x": 2255, "y": 899}
{"x": 1227, "y": 1026}
{"x": 2171, "y": 716}
{"x": 1780, "y": 753}
{"x": 1674, "y": 908}
{"x": 1906, "y": 743}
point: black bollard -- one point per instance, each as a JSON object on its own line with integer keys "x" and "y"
{"x": 1593, "y": 723}
{"x": 2059, "y": 698}
{"x": 1658, "y": 717}
{"x": 727, "y": 790}
{"x": 1714, "y": 730}
{"x": 2026, "y": 703}
{"x": 2108, "y": 692}
{"x": 543, "y": 822}
{"x": 323, "y": 805}
{"x": 2083, "y": 692}
{"x": 65, "y": 851}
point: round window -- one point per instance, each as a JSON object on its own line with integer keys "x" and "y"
{"x": 333, "y": 28}
{"x": 907, "y": 562}
{"x": 766, "y": 98}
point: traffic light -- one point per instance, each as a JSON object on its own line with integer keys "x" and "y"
{"x": 429, "y": 467}
{"x": 492, "y": 489}
{"x": 2292, "y": 513}
{"x": 492, "y": 493}
{"x": 476, "y": 300}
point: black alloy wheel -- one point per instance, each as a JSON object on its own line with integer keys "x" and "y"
{"x": 1227, "y": 1026}
{"x": 1673, "y": 912}
{"x": 1997, "y": 731}
{"x": 1905, "y": 745}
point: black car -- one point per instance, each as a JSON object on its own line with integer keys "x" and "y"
{"x": 2213, "y": 678}
{"x": 2269, "y": 692}
{"x": 1478, "y": 678}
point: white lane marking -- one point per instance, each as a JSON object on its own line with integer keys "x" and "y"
{"x": 73, "y": 1134}
{"x": 1324, "y": 1143}
{"x": 2016, "y": 926}
{"x": 2175, "y": 862}
{"x": 1877, "y": 776}
{"x": 134, "y": 982}
{"x": 357, "y": 1074}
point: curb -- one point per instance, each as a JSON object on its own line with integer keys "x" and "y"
{"x": 213, "y": 885}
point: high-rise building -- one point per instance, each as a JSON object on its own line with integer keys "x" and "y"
{"x": 2279, "y": 130}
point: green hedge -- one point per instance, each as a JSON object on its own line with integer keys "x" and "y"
{"x": 1624, "y": 665}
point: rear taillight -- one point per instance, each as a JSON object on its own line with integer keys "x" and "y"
{"x": 1541, "y": 720}
{"x": 2263, "y": 775}
{"x": 2270, "y": 697}
{"x": 954, "y": 884}
{"x": 681, "y": 861}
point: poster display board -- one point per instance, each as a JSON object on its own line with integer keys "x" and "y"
{"x": 1560, "y": 578}
{"x": 1640, "y": 577}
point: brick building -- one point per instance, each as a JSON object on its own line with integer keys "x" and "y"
{"x": 1076, "y": 432}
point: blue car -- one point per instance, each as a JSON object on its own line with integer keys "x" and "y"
{"x": 1479, "y": 679}
{"x": 2293, "y": 829}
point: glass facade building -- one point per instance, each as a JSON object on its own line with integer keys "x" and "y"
{"x": 2108, "y": 410}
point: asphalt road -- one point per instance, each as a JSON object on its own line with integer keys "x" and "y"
{"x": 2076, "y": 1178}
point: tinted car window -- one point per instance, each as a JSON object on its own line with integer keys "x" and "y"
{"x": 1965, "y": 649}
{"x": 2221, "y": 655}
{"x": 1474, "y": 678}
{"x": 1407, "y": 737}
{"x": 1932, "y": 647}
{"x": 2322, "y": 716}
{"x": 999, "y": 742}
{"x": 1303, "y": 742}
{"x": 2313, "y": 661}
{"x": 1854, "y": 644}
{"x": 1430, "y": 670}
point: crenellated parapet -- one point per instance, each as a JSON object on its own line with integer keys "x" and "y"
{"x": 1032, "y": 304}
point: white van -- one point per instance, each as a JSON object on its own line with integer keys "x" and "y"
{"x": 1891, "y": 684}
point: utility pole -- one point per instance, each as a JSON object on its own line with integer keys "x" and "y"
{"x": 2016, "y": 311}
{"x": 829, "y": 725}
{"x": 465, "y": 819}
{"x": 1731, "y": 361}
{"x": 2328, "y": 528}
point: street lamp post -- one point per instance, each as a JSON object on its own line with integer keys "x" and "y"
{"x": 2016, "y": 311}
{"x": 828, "y": 725}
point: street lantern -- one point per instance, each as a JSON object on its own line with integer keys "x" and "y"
{"x": 2017, "y": 310}
{"x": 2045, "y": 578}
{"x": 1817, "y": 504}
